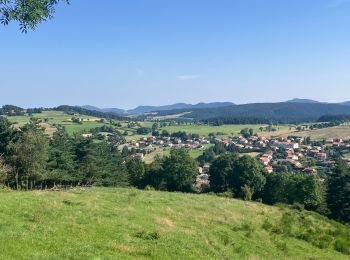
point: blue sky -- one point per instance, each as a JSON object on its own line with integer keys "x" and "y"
{"x": 117, "y": 53}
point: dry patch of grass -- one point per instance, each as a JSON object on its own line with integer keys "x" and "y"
{"x": 325, "y": 133}
{"x": 165, "y": 222}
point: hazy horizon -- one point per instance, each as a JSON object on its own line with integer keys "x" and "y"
{"x": 128, "y": 53}
{"x": 166, "y": 104}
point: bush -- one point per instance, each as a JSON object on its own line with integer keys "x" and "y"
{"x": 298, "y": 206}
{"x": 148, "y": 235}
{"x": 246, "y": 193}
{"x": 267, "y": 225}
{"x": 226, "y": 194}
{"x": 4, "y": 188}
{"x": 150, "y": 188}
{"x": 342, "y": 246}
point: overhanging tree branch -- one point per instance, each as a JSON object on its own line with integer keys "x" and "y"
{"x": 28, "y": 13}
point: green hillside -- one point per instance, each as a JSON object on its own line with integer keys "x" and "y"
{"x": 101, "y": 223}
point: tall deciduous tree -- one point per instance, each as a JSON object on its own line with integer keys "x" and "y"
{"x": 179, "y": 170}
{"x": 136, "y": 171}
{"x": 30, "y": 154}
{"x": 248, "y": 172}
{"x": 241, "y": 175}
{"x": 289, "y": 187}
{"x": 220, "y": 170}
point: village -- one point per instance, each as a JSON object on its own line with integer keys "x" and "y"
{"x": 276, "y": 154}
{"x": 145, "y": 145}
{"x": 294, "y": 152}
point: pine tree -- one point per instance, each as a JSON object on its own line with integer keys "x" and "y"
{"x": 339, "y": 193}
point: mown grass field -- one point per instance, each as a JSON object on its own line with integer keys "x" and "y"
{"x": 342, "y": 131}
{"x": 58, "y": 118}
{"x": 112, "y": 223}
{"x": 225, "y": 130}
{"x": 194, "y": 153}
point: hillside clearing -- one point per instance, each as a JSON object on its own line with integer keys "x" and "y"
{"x": 225, "y": 130}
{"x": 342, "y": 131}
{"x": 102, "y": 223}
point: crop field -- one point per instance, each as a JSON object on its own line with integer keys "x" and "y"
{"x": 116, "y": 223}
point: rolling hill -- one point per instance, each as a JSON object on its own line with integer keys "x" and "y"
{"x": 105, "y": 110}
{"x": 147, "y": 109}
{"x": 112, "y": 223}
{"x": 303, "y": 100}
{"x": 285, "y": 112}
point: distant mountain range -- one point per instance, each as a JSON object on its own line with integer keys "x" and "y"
{"x": 302, "y": 100}
{"x": 104, "y": 110}
{"x": 286, "y": 112}
{"x": 148, "y": 109}
{"x": 311, "y": 101}
{"x": 295, "y": 110}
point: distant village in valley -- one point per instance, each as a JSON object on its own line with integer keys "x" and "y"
{"x": 276, "y": 154}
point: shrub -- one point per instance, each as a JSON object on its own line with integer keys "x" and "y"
{"x": 149, "y": 188}
{"x": 267, "y": 225}
{"x": 226, "y": 194}
{"x": 342, "y": 246}
{"x": 246, "y": 193}
{"x": 297, "y": 206}
{"x": 148, "y": 235}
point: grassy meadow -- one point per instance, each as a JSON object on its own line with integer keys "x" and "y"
{"x": 342, "y": 131}
{"x": 206, "y": 130}
{"x": 194, "y": 153}
{"x": 89, "y": 122}
{"x": 58, "y": 118}
{"x": 116, "y": 223}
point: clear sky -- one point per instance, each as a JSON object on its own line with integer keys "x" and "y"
{"x": 124, "y": 53}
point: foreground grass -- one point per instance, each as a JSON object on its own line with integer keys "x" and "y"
{"x": 106, "y": 223}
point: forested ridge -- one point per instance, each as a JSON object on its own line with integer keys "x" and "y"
{"x": 284, "y": 112}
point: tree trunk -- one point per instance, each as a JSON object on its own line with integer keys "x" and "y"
{"x": 16, "y": 180}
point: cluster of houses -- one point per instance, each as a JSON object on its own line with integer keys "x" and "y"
{"x": 290, "y": 151}
{"x": 148, "y": 144}
{"x": 293, "y": 152}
